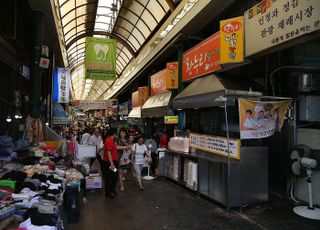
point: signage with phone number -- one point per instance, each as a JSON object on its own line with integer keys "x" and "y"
{"x": 216, "y": 144}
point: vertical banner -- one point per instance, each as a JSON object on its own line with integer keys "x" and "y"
{"x": 231, "y": 40}
{"x": 260, "y": 119}
{"x": 172, "y": 75}
{"x": 100, "y": 58}
{"x": 143, "y": 94}
{"x": 61, "y": 85}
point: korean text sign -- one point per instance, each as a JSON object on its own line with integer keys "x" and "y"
{"x": 61, "y": 85}
{"x": 97, "y": 105}
{"x": 260, "y": 119}
{"x": 231, "y": 40}
{"x": 216, "y": 144}
{"x": 202, "y": 59}
{"x": 171, "y": 120}
{"x": 100, "y": 58}
{"x": 272, "y": 22}
{"x": 158, "y": 82}
{"x": 172, "y": 75}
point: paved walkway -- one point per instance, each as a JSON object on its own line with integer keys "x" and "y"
{"x": 164, "y": 205}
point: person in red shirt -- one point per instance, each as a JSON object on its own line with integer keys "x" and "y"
{"x": 110, "y": 159}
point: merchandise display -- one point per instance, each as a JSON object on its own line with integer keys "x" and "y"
{"x": 35, "y": 185}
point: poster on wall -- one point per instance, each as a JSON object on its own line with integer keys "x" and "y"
{"x": 61, "y": 85}
{"x": 260, "y": 119}
{"x": 172, "y": 75}
{"x": 216, "y": 144}
{"x": 231, "y": 40}
{"x": 272, "y": 22}
{"x": 202, "y": 59}
{"x": 100, "y": 58}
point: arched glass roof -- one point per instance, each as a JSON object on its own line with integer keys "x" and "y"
{"x": 131, "y": 22}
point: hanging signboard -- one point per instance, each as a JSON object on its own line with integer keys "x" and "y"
{"x": 172, "y": 75}
{"x": 158, "y": 82}
{"x": 143, "y": 94}
{"x": 271, "y": 22}
{"x": 260, "y": 119}
{"x": 97, "y": 105}
{"x": 171, "y": 120}
{"x": 61, "y": 85}
{"x": 100, "y": 58}
{"x": 202, "y": 59}
{"x": 231, "y": 40}
{"x": 216, "y": 144}
{"x": 135, "y": 99}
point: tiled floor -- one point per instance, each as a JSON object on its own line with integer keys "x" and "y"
{"x": 164, "y": 205}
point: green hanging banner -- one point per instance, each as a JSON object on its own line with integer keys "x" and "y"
{"x": 100, "y": 59}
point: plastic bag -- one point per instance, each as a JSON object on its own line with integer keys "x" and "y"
{"x": 124, "y": 160}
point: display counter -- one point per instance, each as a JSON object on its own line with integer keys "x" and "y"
{"x": 245, "y": 182}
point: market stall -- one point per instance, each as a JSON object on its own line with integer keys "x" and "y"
{"x": 229, "y": 172}
{"x": 40, "y": 187}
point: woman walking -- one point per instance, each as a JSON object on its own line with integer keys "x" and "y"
{"x": 139, "y": 150}
{"x": 123, "y": 156}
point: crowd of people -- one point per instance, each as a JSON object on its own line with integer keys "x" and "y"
{"x": 117, "y": 153}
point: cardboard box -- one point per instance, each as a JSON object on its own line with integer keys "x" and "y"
{"x": 93, "y": 182}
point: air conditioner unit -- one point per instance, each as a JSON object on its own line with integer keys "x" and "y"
{"x": 309, "y": 82}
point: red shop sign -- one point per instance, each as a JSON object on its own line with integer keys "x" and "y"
{"x": 202, "y": 59}
{"x": 158, "y": 82}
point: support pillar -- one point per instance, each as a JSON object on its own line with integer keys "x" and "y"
{"x": 36, "y": 73}
{"x": 181, "y": 113}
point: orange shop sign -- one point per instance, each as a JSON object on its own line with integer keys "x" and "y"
{"x": 135, "y": 99}
{"x": 202, "y": 59}
{"x": 231, "y": 40}
{"x": 143, "y": 94}
{"x": 158, "y": 82}
{"x": 172, "y": 75}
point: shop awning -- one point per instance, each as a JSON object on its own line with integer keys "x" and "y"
{"x": 157, "y": 105}
{"x": 135, "y": 112}
{"x": 205, "y": 92}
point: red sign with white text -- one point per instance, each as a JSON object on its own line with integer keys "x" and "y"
{"x": 158, "y": 82}
{"x": 202, "y": 59}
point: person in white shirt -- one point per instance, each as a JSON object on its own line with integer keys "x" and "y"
{"x": 96, "y": 140}
{"x": 139, "y": 150}
{"x": 85, "y": 137}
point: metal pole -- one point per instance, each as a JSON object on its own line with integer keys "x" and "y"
{"x": 228, "y": 149}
